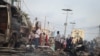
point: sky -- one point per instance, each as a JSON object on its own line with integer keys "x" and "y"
{"x": 85, "y": 13}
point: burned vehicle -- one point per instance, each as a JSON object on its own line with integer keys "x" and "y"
{"x": 10, "y": 25}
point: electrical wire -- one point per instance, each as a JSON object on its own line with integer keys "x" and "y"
{"x": 27, "y": 7}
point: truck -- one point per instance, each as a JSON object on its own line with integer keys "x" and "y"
{"x": 11, "y": 24}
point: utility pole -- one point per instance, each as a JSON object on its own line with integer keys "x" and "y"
{"x": 45, "y": 23}
{"x": 65, "y": 24}
{"x": 48, "y": 24}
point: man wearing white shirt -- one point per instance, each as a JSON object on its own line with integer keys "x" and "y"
{"x": 57, "y": 41}
{"x": 37, "y": 34}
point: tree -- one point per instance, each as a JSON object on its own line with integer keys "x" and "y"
{"x": 27, "y": 19}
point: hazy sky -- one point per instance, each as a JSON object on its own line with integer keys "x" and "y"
{"x": 86, "y": 14}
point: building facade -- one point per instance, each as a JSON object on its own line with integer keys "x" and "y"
{"x": 77, "y": 34}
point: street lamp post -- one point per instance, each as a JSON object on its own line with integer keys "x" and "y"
{"x": 65, "y": 24}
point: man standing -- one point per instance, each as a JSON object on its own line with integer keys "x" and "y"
{"x": 37, "y": 34}
{"x": 57, "y": 41}
{"x": 69, "y": 42}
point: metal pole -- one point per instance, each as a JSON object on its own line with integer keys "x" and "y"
{"x": 66, "y": 20}
{"x": 65, "y": 24}
{"x": 48, "y": 24}
{"x": 45, "y": 23}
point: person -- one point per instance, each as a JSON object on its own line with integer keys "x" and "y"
{"x": 37, "y": 34}
{"x": 62, "y": 43}
{"x": 80, "y": 41}
{"x": 69, "y": 41}
{"x": 57, "y": 41}
{"x": 51, "y": 43}
{"x": 46, "y": 40}
{"x": 43, "y": 37}
{"x": 91, "y": 48}
{"x": 31, "y": 37}
{"x": 30, "y": 43}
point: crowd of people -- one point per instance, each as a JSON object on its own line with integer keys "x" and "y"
{"x": 39, "y": 38}
{"x": 63, "y": 43}
{"x": 35, "y": 36}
